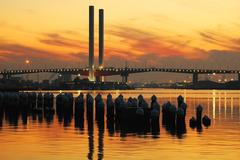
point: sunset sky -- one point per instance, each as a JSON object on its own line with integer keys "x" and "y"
{"x": 166, "y": 33}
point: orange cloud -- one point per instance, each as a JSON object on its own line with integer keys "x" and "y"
{"x": 141, "y": 42}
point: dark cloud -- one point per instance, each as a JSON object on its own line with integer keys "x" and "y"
{"x": 13, "y": 55}
{"x": 220, "y": 40}
{"x": 131, "y": 33}
{"x": 141, "y": 42}
{"x": 217, "y": 59}
{"x": 236, "y": 41}
{"x": 210, "y": 37}
{"x": 56, "y": 39}
{"x": 20, "y": 50}
{"x": 71, "y": 32}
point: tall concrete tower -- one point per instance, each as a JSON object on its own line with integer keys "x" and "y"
{"x": 101, "y": 37}
{"x": 91, "y": 43}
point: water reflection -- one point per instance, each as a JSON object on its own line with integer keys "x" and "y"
{"x": 100, "y": 140}
{"x": 219, "y": 106}
{"x": 12, "y": 118}
{"x": 98, "y": 133}
{"x": 239, "y": 108}
{"x": 40, "y": 117}
{"x": 1, "y": 117}
{"x": 48, "y": 116}
{"x": 231, "y": 107}
{"x": 214, "y": 104}
{"x": 228, "y": 103}
{"x": 225, "y": 105}
{"x": 111, "y": 124}
{"x": 79, "y": 123}
{"x": 208, "y": 106}
{"x": 90, "y": 138}
{"x": 111, "y": 127}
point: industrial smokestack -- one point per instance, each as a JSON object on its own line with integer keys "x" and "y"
{"x": 91, "y": 43}
{"x": 101, "y": 37}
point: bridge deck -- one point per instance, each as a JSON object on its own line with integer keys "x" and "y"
{"x": 117, "y": 71}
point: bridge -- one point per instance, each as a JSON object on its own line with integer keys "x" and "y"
{"x": 96, "y": 73}
{"x": 123, "y": 72}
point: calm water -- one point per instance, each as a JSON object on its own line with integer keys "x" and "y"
{"x": 42, "y": 138}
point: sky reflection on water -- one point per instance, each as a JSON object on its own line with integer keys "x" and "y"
{"x": 49, "y": 136}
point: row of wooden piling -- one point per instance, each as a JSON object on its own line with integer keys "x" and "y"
{"x": 133, "y": 112}
{"x": 199, "y": 120}
{"x": 27, "y": 101}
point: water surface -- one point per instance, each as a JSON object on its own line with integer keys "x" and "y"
{"x": 43, "y": 138}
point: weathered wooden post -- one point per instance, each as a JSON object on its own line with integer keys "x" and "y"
{"x": 123, "y": 111}
{"x": 40, "y": 101}
{"x": 23, "y": 101}
{"x": 155, "y": 121}
{"x": 206, "y": 121}
{"x": 79, "y": 112}
{"x": 180, "y": 123}
{"x": 59, "y": 106}
{"x": 180, "y": 100}
{"x": 101, "y": 111}
{"x": 79, "y": 106}
{"x": 98, "y": 98}
{"x": 48, "y": 102}
{"x": 199, "y": 118}
{"x": 110, "y": 114}
{"x": 89, "y": 107}
{"x": 147, "y": 112}
{"x": 118, "y": 102}
{"x": 32, "y": 100}
{"x": 199, "y": 110}
{"x": 164, "y": 113}
{"x": 1, "y": 109}
{"x": 172, "y": 117}
{"x": 140, "y": 118}
{"x": 193, "y": 122}
{"x": 153, "y": 100}
{"x": 110, "y": 107}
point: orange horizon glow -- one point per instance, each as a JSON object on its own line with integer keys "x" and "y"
{"x": 56, "y": 31}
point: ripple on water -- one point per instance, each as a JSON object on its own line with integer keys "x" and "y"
{"x": 46, "y": 139}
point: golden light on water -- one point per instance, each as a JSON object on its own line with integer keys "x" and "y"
{"x": 64, "y": 139}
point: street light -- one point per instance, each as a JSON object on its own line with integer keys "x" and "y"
{"x": 27, "y": 62}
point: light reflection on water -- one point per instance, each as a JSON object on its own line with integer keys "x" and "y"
{"x": 49, "y": 137}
